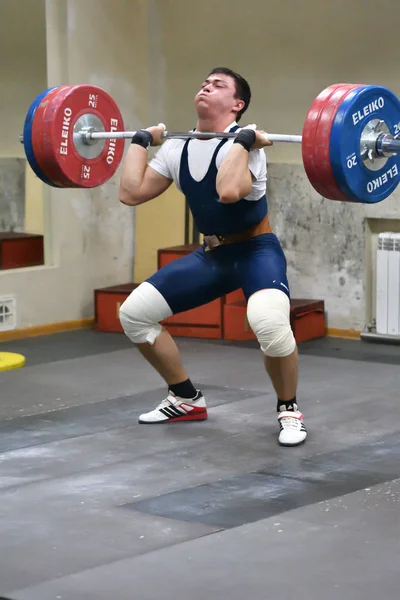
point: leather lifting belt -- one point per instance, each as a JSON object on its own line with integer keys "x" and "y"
{"x": 213, "y": 241}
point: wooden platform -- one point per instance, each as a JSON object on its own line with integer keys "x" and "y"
{"x": 18, "y": 250}
{"x": 224, "y": 318}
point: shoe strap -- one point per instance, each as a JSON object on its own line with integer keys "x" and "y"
{"x": 285, "y": 414}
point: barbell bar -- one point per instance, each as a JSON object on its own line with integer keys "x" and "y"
{"x": 74, "y": 137}
{"x": 184, "y": 135}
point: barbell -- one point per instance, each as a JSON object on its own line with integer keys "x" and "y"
{"x": 74, "y": 137}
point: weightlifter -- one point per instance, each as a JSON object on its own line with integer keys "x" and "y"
{"x": 224, "y": 182}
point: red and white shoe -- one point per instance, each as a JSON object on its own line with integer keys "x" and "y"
{"x": 177, "y": 409}
{"x": 292, "y": 429}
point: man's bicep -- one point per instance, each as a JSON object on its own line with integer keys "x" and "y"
{"x": 154, "y": 183}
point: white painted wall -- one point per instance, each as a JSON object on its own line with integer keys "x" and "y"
{"x": 22, "y": 67}
{"x": 22, "y": 76}
{"x": 151, "y": 56}
{"x": 89, "y": 234}
{"x": 290, "y": 50}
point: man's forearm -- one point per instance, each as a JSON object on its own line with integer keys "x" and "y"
{"x": 234, "y": 178}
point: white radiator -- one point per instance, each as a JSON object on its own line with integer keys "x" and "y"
{"x": 388, "y": 284}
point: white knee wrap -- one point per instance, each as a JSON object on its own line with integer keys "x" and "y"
{"x": 141, "y": 313}
{"x": 268, "y": 314}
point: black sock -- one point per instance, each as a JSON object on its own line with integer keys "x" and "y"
{"x": 286, "y": 405}
{"x": 185, "y": 389}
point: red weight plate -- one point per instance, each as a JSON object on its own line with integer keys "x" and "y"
{"x": 310, "y": 131}
{"x": 64, "y": 155}
{"x": 40, "y": 129}
{"x": 37, "y": 138}
{"x": 322, "y": 144}
{"x": 312, "y": 164}
{"x": 309, "y": 140}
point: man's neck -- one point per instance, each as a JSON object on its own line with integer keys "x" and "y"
{"x": 214, "y": 124}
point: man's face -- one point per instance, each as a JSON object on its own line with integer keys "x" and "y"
{"x": 216, "y": 97}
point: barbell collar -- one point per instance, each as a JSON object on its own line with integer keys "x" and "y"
{"x": 387, "y": 145}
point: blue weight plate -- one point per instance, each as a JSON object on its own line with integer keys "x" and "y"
{"x": 27, "y": 139}
{"x": 358, "y": 177}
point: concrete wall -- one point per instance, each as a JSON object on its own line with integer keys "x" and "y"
{"x": 330, "y": 246}
{"x": 12, "y": 194}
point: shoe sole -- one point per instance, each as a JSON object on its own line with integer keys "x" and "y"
{"x": 200, "y": 417}
{"x": 292, "y": 445}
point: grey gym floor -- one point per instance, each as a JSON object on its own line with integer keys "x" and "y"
{"x": 95, "y": 506}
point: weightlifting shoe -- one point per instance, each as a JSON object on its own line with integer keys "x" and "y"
{"x": 292, "y": 429}
{"x": 174, "y": 409}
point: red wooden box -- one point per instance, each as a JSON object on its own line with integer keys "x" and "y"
{"x": 236, "y": 325}
{"x": 19, "y": 250}
{"x": 307, "y": 319}
{"x": 107, "y": 302}
{"x": 235, "y": 297}
{"x": 167, "y": 255}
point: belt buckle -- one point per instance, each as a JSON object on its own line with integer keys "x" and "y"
{"x": 213, "y": 241}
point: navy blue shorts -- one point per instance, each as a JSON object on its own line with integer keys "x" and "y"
{"x": 200, "y": 277}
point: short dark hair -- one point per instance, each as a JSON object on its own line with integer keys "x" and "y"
{"x": 243, "y": 91}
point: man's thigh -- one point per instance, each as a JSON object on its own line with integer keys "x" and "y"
{"x": 191, "y": 281}
{"x": 263, "y": 266}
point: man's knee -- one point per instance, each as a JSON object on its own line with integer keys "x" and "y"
{"x": 268, "y": 314}
{"x": 141, "y": 313}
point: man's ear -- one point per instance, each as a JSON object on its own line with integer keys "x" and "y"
{"x": 240, "y": 104}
